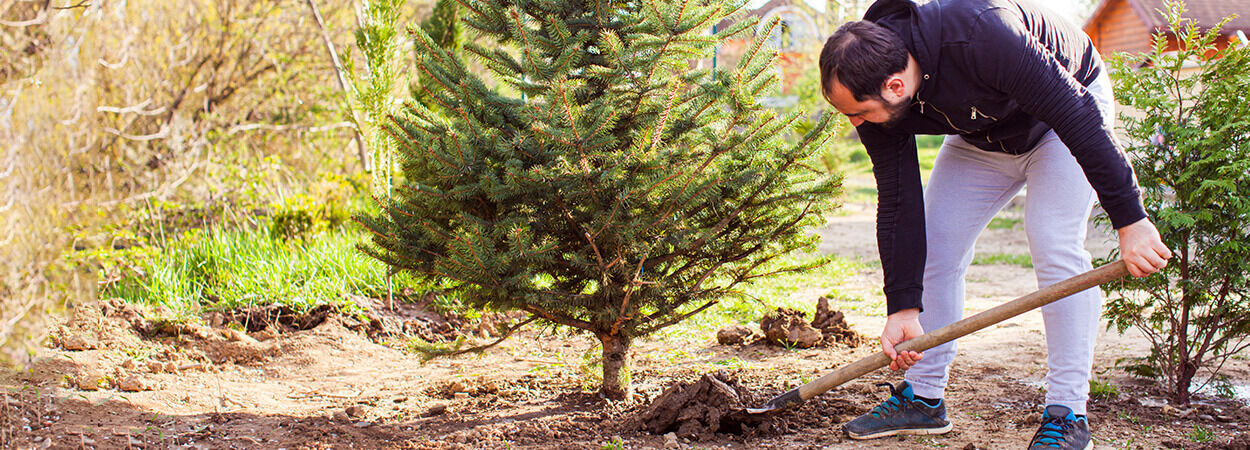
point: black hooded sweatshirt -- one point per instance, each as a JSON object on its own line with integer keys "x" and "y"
{"x": 1000, "y": 73}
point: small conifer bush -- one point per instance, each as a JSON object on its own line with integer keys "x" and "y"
{"x": 598, "y": 176}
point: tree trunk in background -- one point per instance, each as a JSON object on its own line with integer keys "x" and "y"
{"x": 616, "y": 367}
{"x": 1183, "y": 381}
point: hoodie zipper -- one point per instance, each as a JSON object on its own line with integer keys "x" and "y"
{"x": 976, "y": 111}
{"x": 948, "y": 119}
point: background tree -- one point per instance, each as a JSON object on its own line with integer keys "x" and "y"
{"x": 609, "y": 186}
{"x": 1190, "y": 139}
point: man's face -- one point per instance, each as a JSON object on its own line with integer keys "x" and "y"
{"x": 884, "y": 111}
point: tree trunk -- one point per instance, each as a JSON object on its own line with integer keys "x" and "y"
{"x": 1183, "y": 380}
{"x": 616, "y": 367}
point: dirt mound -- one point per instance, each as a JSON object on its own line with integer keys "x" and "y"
{"x": 790, "y": 328}
{"x": 280, "y": 317}
{"x": 107, "y": 324}
{"x": 833, "y": 326}
{"x": 713, "y": 404}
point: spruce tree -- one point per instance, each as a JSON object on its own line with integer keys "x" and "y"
{"x": 612, "y": 184}
{"x": 443, "y": 27}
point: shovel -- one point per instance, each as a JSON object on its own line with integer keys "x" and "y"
{"x": 1044, "y": 296}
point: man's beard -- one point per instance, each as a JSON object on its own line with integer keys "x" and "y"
{"x": 896, "y": 111}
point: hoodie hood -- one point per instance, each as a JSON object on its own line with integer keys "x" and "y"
{"x": 919, "y": 22}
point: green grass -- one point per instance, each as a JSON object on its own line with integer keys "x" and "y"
{"x": 1004, "y": 223}
{"x": 1103, "y": 390}
{"x": 1022, "y": 260}
{"x": 1200, "y": 434}
{"x": 223, "y": 268}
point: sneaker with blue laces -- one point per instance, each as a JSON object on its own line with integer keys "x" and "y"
{"x": 1063, "y": 430}
{"x": 902, "y": 413}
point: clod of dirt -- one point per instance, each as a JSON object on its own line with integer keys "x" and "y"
{"x": 156, "y": 366}
{"x": 789, "y": 327}
{"x": 670, "y": 441}
{"x": 131, "y": 383}
{"x": 833, "y": 327}
{"x": 87, "y": 382}
{"x": 437, "y": 409}
{"x": 735, "y": 335}
{"x": 355, "y": 411}
{"x": 456, "y": 386}
{"x": 714, "y": 404}
{"x": 77, "y": 342}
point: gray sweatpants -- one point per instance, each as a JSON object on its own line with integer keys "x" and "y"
{"x": 967, "y": 188}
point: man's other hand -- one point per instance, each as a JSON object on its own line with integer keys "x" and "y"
{"x": 899, "y": 327}
{"x": 1142, "y": 249}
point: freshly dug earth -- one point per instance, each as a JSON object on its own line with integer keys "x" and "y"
{"x": 789, "y": 327}
{"x": 833, "y": 327}
{"x": 713, "y": 404}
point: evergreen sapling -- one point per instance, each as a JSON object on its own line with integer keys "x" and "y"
{"x": 612, "y": 184}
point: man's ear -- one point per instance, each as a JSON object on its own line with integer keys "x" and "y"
{"x": 894, "y": 85}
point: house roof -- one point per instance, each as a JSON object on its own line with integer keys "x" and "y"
{"x": 1207, "y": 13}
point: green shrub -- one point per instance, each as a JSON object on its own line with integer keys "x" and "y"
{"x": 1190, "y": 144}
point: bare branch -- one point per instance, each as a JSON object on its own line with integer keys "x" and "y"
{"x": 133, "y": 109}
{"x": 162, "y": 134}
{"x": 38, "y": 20}
{"x": 361, "y": 150}
{"x": 270, "y": 127}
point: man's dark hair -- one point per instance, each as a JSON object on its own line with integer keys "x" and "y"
{"x": 861, "y": 55}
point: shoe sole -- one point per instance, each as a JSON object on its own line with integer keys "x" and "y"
{"x": 940, "y": 430}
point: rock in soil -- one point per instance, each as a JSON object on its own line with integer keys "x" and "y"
{"x": 713, "y": 404}
{"x": 355, "y": 411}
{"x": 735, "y": 335}
{"x": 789, "y": 327}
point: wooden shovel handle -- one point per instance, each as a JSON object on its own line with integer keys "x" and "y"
{"x": 1037, "y": 299}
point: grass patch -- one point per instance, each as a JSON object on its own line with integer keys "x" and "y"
{"x": 1200, "y": 434}
{"x": 1004, "y": 223}
{"x": 1103, "y": 390}
{"x": 1022, "y": 260}
{"x": 220, "y": 268}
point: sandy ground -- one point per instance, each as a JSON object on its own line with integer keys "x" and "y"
{"x": 331, "y": 386}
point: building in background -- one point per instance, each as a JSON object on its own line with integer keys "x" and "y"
{"x": 1129, "y": 25}
{"x": 805, "y": 24}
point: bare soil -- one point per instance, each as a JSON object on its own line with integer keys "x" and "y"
{"x": 113, "y": 377}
